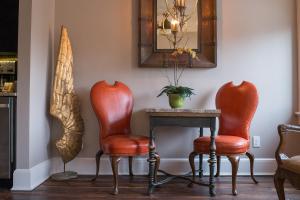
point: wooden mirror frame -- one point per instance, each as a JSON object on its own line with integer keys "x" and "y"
{"x": 149, "y": 56}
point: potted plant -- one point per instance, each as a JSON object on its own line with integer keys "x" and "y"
{"x": 177, "y": 93}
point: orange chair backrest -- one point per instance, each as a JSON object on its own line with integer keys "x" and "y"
{"x": 238, "y": 105}
{"x": 113, "y": 107}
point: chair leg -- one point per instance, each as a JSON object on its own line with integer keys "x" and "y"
{"x": 114, "y": 165}
{"x": 200, "y": 165}
{"x": 157, "y": 163}
{"x": 192, "y": 163}
{"x": 279, "y": 182}
{"x": 98, "y": 157}
{"x": 130, "y": 159}
{"x": 234, "y": 160}
{"x": 251, "y": 158}
{"x": 218, "y": 166}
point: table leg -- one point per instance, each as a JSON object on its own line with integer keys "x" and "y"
{"x": 201, "y": 157}
{"x": 212, "y": 161}
{"x": 151, "y": 161}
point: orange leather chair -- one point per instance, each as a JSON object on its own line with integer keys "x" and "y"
{"x": 238, "y": 105}
{"x": 113, "y": 107}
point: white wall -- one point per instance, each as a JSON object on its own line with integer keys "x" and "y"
{"x": 23, "y": 84}
{"x": 255, "y": 42}
{"x": 42, "y": 32}
{"x": 36, "y": 31}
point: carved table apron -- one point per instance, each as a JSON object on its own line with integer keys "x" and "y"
{"x": 184, "y": 118}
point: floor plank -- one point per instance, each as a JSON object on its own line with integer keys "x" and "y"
{"x": 136, "y": 188}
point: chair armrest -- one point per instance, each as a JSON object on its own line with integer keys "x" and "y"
{"x": 288, "y": 128}
{"x": 284, "y": 129}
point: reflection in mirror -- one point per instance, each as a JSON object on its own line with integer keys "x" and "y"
{"x": 177, "y": 24}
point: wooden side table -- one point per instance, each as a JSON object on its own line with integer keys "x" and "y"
{"x": 185, "y": 118}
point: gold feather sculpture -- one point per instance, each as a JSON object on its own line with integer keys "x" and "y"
{"x": 64, "y": 103}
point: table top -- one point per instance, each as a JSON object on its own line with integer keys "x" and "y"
{"x": 169, "y": 112}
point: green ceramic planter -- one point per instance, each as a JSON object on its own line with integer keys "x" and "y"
{"x": 176, "y": 100}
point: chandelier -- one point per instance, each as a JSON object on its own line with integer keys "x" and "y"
{"x": 177, "y": 11}
{"x": 174, "y": 19}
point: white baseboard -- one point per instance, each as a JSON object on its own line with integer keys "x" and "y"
{"x": 28, "y": 179}
{"x": 87, "y": 166}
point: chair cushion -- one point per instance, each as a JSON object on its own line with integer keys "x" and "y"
{"x": 130, "y": 145}
{"x": 292, "y": 164}
{"x": 225, "y": 145}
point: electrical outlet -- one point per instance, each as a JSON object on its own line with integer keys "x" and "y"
{"x": 256, "y": 141}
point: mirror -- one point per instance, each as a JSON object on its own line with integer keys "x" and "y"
{"x": 187, "y": 36}
{"x": 199, "y": 32}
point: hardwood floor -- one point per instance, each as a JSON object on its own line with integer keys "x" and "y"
{"x": 83, "y": 188}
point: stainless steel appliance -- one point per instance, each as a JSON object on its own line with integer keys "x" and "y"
{"x": 7, "y": 140}
{"x": 8, "y": 70}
